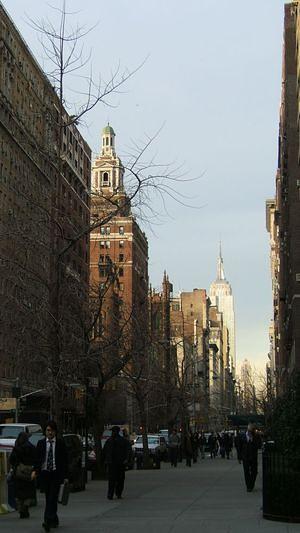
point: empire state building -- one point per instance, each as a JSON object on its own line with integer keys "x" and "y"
{"x": 221, "y": 296}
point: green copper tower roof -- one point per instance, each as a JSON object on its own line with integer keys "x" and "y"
{"x": 108, "y": 130}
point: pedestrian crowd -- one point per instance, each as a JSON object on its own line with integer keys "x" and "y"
{"x": 46, "y": 465}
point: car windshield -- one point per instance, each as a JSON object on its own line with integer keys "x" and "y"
{"x": 10, "y": 432}
{"x": 151, "y": 440}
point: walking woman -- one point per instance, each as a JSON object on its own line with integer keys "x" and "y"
{"x": 22, "y": 460}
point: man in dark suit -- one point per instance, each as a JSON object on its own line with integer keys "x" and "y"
{"x": 51, "y": 468}
{"x": 250, "y": 443}
{"x": 116, "y": 453}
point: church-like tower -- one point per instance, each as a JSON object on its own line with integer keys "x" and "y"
{"x": 221, "y": 296}
{"x": 107, "y": 170}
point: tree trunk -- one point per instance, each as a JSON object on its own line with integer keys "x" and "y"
{"x": 97, "y": 424}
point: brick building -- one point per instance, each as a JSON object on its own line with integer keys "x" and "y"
{"x": 44, "y": 206}
{"x": 284, "y": 215}
{"x": 118, "y": 255}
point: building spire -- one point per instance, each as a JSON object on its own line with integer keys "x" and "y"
{"x": 220, "y": 272}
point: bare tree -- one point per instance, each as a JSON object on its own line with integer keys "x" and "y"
{"x": 55, "y": 326}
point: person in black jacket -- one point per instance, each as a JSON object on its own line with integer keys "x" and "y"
{"x": 250, "y": 443}
{"x": 51, "y": 467}
{"x": 238, "y": 445}
{"x": 116, "y": 454}
{"x": 23, "y": 453}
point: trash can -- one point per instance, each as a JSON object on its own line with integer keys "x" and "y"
{"x": 281, "y": 484}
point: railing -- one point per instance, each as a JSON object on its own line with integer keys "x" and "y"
{"x": 281, "y": 485}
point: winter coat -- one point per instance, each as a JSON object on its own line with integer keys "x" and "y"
{"x": 116, "y": 451}
{"x": 249, "y": 448}
{"x": 25, "y": 454}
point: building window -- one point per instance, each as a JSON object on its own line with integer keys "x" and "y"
{"x": 121, "y": 230}
{"x": 102, "y": 230}
{"x": 105, "y": 178}
{"x": 107, "y": 244}
{"x": 121, "y": 258}
{"x": 102, "y": 244}
{"x": 121, "y": 272}
{"x": 121, "y": 286}
{"x": 107, "y": 230}
{"x": 121, "y": 244}
{"x": 101, "y": 259}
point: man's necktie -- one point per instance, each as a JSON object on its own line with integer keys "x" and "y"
{"x": 50, "y": 457}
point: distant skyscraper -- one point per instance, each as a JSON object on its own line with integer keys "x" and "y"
{"x": 221, "y": 296}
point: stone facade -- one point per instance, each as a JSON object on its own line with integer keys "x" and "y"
{"x": 284, "y": 214}
{"x": 44, "y": 205}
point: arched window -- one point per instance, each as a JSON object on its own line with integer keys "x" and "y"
{"x": 105, "y": 178}
{"x": 106, "y": 141}
{"x": 111, "y": 141}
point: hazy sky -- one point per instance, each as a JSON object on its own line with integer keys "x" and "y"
{"x": 212, "y": 78}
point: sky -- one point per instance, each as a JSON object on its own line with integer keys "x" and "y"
{"x": 209, "y": 82}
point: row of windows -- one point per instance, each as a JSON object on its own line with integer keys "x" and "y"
{"x": 106, "y": 244}
{"x": 107, "y": 259}
{"x": 104, "y": 271}
{"x": 105, "y": 230}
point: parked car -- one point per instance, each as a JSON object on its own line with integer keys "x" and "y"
{"x": 76, "y": 458}
{"x": 157, "y": 448}
{"x": 9, "y": 432}
{"x": 164, "y": 433}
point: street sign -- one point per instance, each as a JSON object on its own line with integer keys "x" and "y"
{"x": 8, "y": 404}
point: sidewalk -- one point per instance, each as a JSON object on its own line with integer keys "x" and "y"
{"x": 209, "y": 497}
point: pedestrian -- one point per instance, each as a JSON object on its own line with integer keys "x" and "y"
{"x": 227, "y": 444}
{"x": 116, "y": 453}
{"x": 188, "y": 448}
{"x": 249, "y": 451}
{"x": 195, "y": 445}
{"x": 22, "y": 460}
{"x": 202, "y": 444}
{"x": 221, "y": 442}
{"x": 212, "y": 443}
{"x": 51, "y": 467}
{"x": 238, "y": 444}
{"x": 174, "y": 444}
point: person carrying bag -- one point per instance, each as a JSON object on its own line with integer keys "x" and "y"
{"x": 22, "y": 460}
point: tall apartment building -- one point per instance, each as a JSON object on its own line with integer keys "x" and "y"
{"x": 284, "y": 214}
{"x": 119, "y": 252}
{"x": 273, "y": 230}
{"x": 44, "y": 205}
{"x": 195, "y": 311}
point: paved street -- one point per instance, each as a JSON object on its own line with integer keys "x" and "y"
{"x": 208, "y": 497}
